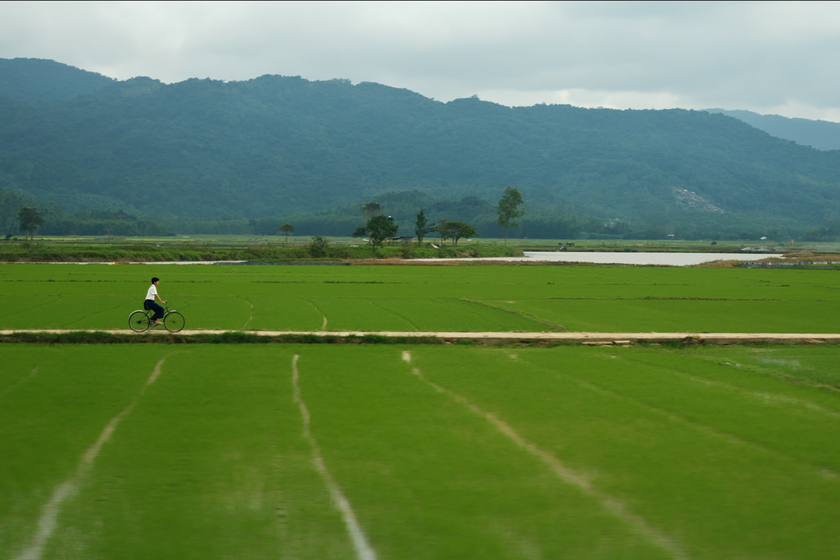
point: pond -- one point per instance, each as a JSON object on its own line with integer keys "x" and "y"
{"x": 665, "y": 259}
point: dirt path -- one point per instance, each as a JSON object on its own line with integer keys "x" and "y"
{"x": 586, "y": 338}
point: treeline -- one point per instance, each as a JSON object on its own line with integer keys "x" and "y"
{"x": 102, "y": 222}
{"x": 83, "y": 222}
{"x": 539, "y": 222}
{"x": 10, "y": 205}
{"x": 828, "y": 233}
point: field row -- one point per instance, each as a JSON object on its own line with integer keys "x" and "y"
{"x": 418, "y": 452}
{"x": 428, "y": 298}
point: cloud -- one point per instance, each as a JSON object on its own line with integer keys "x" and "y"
{"x": 744, "y": 55}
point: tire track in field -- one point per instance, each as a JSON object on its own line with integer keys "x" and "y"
{"x": 48, "y": 521}
{"x": 250, "y": 315}
{"x": 565, "y": 473}
{"x": 364, "y": 551}
{"x": 534, "y": 318}
{"x": 324, "y": 324}
{"x": 19, "y": 381}
{"x": 29, "y": 310}
{"x": 101, "y": 310}
{"x": 701, "y": 426}
{"x": 392, "y": 312}
{"x": 776, "y": 375}
{"x": 764, "y": 396}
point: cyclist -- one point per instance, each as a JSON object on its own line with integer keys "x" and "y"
{"x": 151, "y": 294}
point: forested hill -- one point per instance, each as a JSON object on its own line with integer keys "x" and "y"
{"x": 275, "y": 145}
{"x": 34, "y": 80}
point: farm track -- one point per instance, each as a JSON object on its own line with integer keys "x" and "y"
{"x": 585, "y": 338}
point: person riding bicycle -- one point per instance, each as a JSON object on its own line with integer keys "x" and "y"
{"x": 151, "y": 294}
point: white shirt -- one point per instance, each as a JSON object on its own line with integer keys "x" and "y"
{"x": 152, "y": 292}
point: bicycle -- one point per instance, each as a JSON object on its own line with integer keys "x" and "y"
{"x": 140, "y": 321}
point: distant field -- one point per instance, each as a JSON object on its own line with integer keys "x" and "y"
{"x": 428, "y": 298}
{"x": 315, "y": 452}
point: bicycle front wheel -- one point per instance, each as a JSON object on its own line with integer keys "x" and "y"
{"x": 138, "y": 321}
{"x": 173, "y": 322}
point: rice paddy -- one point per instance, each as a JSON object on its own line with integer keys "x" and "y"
{"x": 387, "y": 451}
{"x": 427, "y": 298}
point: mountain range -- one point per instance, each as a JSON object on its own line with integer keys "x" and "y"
{"x": 822, "y": 135}
{"x": 277, "y": 145}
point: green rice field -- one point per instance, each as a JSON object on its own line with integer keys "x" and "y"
{"x": 427, "y": 298}
{"x": 438, "y": 452}
{"x": 391, "y": 451}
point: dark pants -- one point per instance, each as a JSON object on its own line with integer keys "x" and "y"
{"x": 150, "y": 304}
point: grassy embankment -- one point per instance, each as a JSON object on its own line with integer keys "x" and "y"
{"x": 440, "y": 452}
{"x": 52, "y": 251}
{"x": 272, "y": 249}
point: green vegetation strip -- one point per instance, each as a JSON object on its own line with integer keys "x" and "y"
{"x": 233, "y": 337}
{"x": 263, "y": 337}
{"x": 269, "y": 252}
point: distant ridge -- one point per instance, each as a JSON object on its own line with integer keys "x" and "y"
{"x": 822, "y": 135}
{"x": 39, "y": 80}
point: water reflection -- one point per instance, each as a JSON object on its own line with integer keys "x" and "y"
{"x": 665, "y": 259}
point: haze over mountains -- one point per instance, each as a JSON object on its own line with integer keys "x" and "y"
{"x": 278, "y": 145}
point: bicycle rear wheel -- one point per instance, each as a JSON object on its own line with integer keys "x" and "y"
{"x": 138, "y": 321}
{"x": 173, "y": 322}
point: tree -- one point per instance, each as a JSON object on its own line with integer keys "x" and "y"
{"x": 318, "y": 246}
{"x": 380, "y": 228}
{"x": 30, "y": 221}
{"x": 509, "y": 209}
{"x": 377, "y": 230}
{"x": 361, "y": 231}
{"x": 422, "y": 227}
{"x": 454, "y": 231}
{"x": 287, "y": 229}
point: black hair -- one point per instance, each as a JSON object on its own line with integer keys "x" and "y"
{"x": 155, "y": 279}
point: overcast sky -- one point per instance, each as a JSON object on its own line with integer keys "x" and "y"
{"x": 776, "y": 57}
